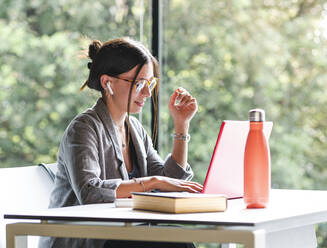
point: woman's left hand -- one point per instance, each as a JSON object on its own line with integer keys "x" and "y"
{"x": 182, "y": 106}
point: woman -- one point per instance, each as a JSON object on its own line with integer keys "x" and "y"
{"x": 105, "y": 153}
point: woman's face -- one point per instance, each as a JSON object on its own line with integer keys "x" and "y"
{"x": 121, "y": 89}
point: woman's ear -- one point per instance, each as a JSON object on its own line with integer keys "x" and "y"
{"x": 105, "y": 81}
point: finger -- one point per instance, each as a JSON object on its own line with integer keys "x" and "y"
{"x": 185, "y": 98}
{"x": 192, "y": 105}
{"x": 174, "y": 96}
{"x": 181, "y": 90}
{"x": 180, "y": 100}
{"x": 190, "y": 189}
{"x": 181, "y": 181}
{"x": 198, "y": 188}
{"x": 195, "y": 186}
{"x": 190, "y": 101}
{"x": 182, "y": 188}
{"x": 190, "y": 184}
{"x": 182, "y": 185}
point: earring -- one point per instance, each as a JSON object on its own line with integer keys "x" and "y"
{"x": 109, "y": 88}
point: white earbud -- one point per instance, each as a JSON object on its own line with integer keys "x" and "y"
{"x": 109, "y": 88}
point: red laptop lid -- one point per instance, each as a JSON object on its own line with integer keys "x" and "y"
{"x": 225, "y": 173}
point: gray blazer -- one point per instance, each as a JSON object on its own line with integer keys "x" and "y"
{"x": 91, "y": 166}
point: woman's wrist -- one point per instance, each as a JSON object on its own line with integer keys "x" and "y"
{"x": 181, "y": 127}
{"x": 150, "y": 183}
{"x": 138, "y": 181}
{"x": 181, "y": 137}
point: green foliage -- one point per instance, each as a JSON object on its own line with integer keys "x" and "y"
{"x": 238, "y": 55}
{"x": 41, "y": 72}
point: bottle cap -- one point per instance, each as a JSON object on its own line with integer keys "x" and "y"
{"x": 256, "y": 115}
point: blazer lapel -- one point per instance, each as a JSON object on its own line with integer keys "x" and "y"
{"x": 101, "y": 109}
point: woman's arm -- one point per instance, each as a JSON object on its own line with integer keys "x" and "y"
{"x": 180, "y": 146}
{"x": 182, "y": 107}
{"x": 153, "y": 163}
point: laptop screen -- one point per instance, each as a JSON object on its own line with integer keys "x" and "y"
{"x": 225, "y": 172}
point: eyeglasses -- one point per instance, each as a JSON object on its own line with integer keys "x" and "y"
{"x": 139, "y": 84}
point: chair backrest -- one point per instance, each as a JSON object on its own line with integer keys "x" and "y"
{"x": 24, "y": 188}
{"x": 51, "y": 169}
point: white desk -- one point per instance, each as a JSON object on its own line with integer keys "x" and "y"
{"x": 287, "y": 222}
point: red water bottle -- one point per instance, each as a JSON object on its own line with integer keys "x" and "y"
{"x": 256, "y": 163}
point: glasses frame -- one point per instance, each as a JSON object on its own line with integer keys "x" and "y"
{"x": 148, "y": 81}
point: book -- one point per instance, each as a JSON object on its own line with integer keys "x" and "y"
{"x": 179, "y": 202}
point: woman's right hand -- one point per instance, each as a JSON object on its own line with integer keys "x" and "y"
{"x": 172, "y": 184}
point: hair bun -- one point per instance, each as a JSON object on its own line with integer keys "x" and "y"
{"x": 94, "y": 48}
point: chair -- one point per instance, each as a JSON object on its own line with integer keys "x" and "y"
{"x": 24, "y": 188}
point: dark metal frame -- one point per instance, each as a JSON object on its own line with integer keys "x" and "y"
{"x": 156, "y": 51}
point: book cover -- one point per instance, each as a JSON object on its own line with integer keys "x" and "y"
{"x": 179, "y": 202}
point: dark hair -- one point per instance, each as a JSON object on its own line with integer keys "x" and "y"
{"x": 115, "y": 57}
{"x": 118, "y": 56}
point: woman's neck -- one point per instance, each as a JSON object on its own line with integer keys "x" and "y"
{"x": 117, "y": 115}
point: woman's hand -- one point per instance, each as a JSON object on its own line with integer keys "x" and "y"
{"x": 156, "y": 182}
{"x": 171, "y": 184}
{"x": 182, "y": 106}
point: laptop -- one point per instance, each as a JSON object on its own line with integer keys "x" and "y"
{"x": 225, "y": 172}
